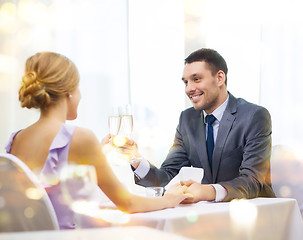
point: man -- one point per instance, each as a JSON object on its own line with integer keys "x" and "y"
{"x": 233, "y": 149}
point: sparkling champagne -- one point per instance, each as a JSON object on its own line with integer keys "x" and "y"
{"x": 127, "y": 125}
{"x": 114, "y": 123}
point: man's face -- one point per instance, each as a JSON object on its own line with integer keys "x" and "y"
{"x": 201, "y": 87}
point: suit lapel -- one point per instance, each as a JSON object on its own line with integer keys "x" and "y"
{"x": 198, "y": 130}
{"x": 224, "y": 129}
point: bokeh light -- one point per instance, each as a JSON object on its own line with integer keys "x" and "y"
{"x": 119, "y": 140}
{"x": 7, "y": 18}
{"x": 29, "y": 212}
{"x": 192, "y": 216}
{"x": 243, "y": 213}
{"x": 50, "y": 179}
{"x": 34, "y": 193}
{"x": 285, "y": 191}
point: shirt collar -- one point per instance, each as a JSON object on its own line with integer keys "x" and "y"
{"x": 218, "y": 112}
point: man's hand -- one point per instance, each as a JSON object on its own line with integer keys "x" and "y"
{"x": 199, "y": 192}
{"x": 124, "y": 146}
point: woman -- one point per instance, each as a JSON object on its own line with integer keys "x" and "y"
{"x": 51, "y": 84}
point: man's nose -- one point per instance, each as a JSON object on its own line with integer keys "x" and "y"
{"x": 191, "y": 87}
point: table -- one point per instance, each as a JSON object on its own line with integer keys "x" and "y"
{"x": 260, "y": 218}
{"x": 112, "y": 233}
{"x": 255, "y": 219}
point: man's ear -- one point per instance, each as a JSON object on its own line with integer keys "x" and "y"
{"x": 221, "y": 78}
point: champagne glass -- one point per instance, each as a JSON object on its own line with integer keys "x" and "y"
{"x": 125, "y": 131}
{"x": 120, "y": 164}
{"x": 126, "y": 121}
{"x": 114, "y": 121}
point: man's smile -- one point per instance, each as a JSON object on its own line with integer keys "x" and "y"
{"x": 195, "y": 96}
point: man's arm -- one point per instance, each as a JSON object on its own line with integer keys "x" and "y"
{"x": 175, "y": 160}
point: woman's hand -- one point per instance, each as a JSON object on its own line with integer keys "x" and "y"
{"x": 107, "y": 139}
{"x": 176, "y": 194}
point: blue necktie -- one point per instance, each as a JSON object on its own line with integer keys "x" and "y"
{"x": 210, "y": 138}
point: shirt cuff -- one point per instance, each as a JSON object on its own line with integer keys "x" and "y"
{"x": 220, "y": 192}
{"x": 142, "y": 169}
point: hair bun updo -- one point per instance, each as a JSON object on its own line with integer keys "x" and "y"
{"x": 32, "y": 93}
{"x": 48, "y": 76}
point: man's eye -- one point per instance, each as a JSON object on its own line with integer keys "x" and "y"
{"x": 185, "y": 82}
{"x": 197, "y": 79}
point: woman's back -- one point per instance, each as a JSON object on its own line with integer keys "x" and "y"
{"x": 32, "y": 144}
{"x": 49, "y": 162}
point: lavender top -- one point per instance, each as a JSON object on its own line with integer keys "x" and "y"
{"x": 56, "y": 160}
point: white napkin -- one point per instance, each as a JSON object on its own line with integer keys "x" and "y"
{"x": 187, "y": 173}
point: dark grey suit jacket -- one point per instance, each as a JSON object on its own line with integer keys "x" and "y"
{"x": 241, "y": 157}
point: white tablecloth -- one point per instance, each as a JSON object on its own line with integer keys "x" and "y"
{"x": 256, "y": 219}
{"x": 112, "y": 233}
{"x": 260, "y": 218}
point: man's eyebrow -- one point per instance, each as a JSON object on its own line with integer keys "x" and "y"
{"x": 194, "y": 75}
{"x": 191, "y": 76}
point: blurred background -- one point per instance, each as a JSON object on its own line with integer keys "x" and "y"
{"x": 132, "y": 51}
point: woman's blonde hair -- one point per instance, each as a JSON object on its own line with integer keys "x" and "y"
{"x": 48, "y": 76}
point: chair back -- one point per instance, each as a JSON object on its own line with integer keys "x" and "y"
{"x": 24, "y": 203}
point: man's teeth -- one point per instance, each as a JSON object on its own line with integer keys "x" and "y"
{"x": 196, "y": 95}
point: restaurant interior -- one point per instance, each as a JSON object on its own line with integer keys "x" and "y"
{"x": 131, "y": 52}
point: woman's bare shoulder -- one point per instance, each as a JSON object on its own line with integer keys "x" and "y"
{"x": 84, "y": 137}
{"x": 84, "y": 133}
{"x": 84, "y": 143}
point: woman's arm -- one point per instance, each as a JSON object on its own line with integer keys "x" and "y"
{"x": 86, "y": 149}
